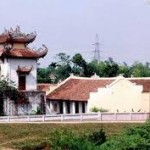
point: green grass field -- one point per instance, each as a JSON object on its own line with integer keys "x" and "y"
{"x": 19, "y": 136}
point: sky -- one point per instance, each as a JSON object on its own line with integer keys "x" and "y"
{"x": 70, "y": 26}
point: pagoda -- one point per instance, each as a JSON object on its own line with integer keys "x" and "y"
{"x": 18, "y": 62}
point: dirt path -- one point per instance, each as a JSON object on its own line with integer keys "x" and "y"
{"x": 3, "y": 148}
{"x": 2, "y": 145}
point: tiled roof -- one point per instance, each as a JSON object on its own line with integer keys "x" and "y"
{"x": 23, "y": 53}
{"x": 10, "y": 39}
{"x": 24, "y": 70}
{"x": 43, "y": 86}
{"x": 78, "y": 89}
{"x": 15, "y": 35}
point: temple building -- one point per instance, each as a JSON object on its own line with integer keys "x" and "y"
{"x": 116, "y": 94}
{"x": 18, "y": 63}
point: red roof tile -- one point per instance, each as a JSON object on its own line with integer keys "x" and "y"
{"x": 43, "y": 86}
{"x": 78, "y": 89}
{"x": 16, "y": 36}
{"x": 24, "y": 53}
{"x": 24, "y": 70}
{"x": 21, "y": 53}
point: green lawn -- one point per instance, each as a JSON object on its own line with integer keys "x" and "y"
{"x": 19, "y": 135}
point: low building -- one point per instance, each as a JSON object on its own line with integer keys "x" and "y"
{"x": 46, "y": 87}
{"x": 18, "y": 63}
{"x": 117, "y": 94}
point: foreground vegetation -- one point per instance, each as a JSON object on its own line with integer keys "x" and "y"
{"x": 55, "y": 136}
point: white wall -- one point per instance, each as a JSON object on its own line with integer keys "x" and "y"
{"x": 121, "y": 95}
{"x": 31, "y": 83}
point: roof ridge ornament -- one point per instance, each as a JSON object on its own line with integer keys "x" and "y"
{"x": 120, "y": 76}
{"x": 15, "y": 44}
{"x": 16, "y": 36}
{"x": 95, "y": 76}
{"x": 42, "y": 51}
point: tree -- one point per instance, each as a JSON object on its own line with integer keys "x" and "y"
{"x": 78, "y": 60}
{"x": 64, "y": 65}
{"x": 111, "y": 68}
{"x": 125, "y": 70}
{"x": 81, "y": 64}
{"x": 140, "y": 70}
{"x": 43, "y": 75}
{"x": 62, "y": 59}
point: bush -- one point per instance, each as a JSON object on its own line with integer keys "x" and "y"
{"x": 67, "y": 140}
{"x": 137, "y": 138}
{"x": 95, "y": 109}
{"x": 98, "y": 137}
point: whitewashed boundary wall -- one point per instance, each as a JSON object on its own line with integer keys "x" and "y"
{"x": 101, "y": 117}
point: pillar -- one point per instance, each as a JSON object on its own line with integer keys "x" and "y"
{"x": 64, "y": 107}
{"x": 51, "y": 107}
{"x": 73, "y": 109}
{"x": 80, "y": 107}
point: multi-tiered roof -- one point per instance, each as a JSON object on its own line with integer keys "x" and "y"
{"x": 14, "y": 43}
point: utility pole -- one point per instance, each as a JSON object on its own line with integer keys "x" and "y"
{"x": 97, "y": 50}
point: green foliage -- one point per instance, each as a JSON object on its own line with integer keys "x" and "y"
{"x": 43, "y": 75}
{"x": 64, "y": 65}
{"x": 95, "y": 109}
{"x": 140, "y": 70}
{"x": 38, "y": 136}
{"x": 78, "y": 60}
{"x": 98, "y": 137}
{"x": 137, "y": 138}
{"x": 67, "y": 140}
{"x": 111, "y": 68}
{"x": 62, "y": 59}
{"x": 8, "y": 90}
{"x": 38, "y": 111}
{"x": 125, "y": 70}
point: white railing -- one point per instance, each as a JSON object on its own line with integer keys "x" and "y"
{"x": 101, "y": 117}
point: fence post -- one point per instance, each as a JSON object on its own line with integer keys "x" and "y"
{"x": 43, "y": 118}
{"x": 99, "y": 116}
{"x": 81, "y": 118}
{"x": 146, "y": 116}
{"x": 28, "y": 118}
{"x": 62, "y": 117}
{"x": 115, "y": 116}
{"x": 8, "y": 119}
{"x": 131, "y": 116}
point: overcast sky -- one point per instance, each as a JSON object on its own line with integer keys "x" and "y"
{"x": 70, "y": 26}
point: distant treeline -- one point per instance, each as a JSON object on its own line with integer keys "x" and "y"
{"x": 64, "y": 65}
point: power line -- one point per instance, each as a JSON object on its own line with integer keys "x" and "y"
{"x": 97, "y": 49}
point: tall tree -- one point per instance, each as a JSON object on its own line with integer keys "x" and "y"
{"x": 111, "y": 68}
{"x": 140, "y": 70}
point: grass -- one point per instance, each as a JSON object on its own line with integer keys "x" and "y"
{"x": 35, "y": 136}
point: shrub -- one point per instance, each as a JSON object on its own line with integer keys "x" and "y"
{"x": 98, "y": 137}
{"x": 67, "y": 140}
{"x": 137, "y": 138}
{"x": 95, "y": 109}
